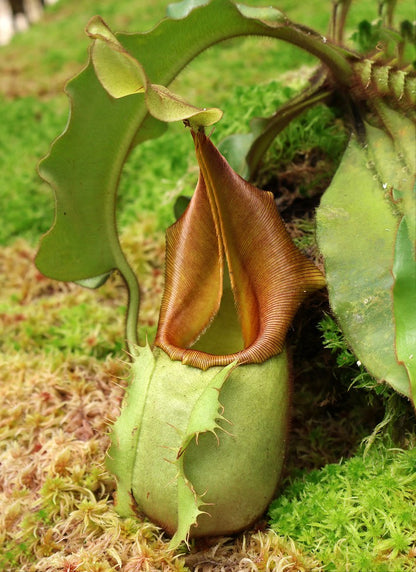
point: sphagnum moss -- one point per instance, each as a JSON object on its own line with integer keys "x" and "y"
{"x": 359, "y": 515}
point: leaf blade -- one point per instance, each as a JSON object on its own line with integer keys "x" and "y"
{"x": 404, "y": 301}
{"x": 356, "y": 228}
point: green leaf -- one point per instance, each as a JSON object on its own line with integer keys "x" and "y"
{"x": 167, "y": 106}
{"x": 402, "y": 132}
{"x": 404, "y": 298}
{"x": 83, "y": 167}
{"x": 268, "y": 14}
{"x": 397, "y": 174}
{"x": 83, "y": 242}
{"x": 180, "y": 206}
{"x": 235, "y": 149}
{"x": 357, "y": 224}
{"x": 121, "y": 74}
{"x": 118, "y": 72}
{"x": 94, "y": 282}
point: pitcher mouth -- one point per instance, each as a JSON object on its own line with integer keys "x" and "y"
{"x": 230, "y": 227}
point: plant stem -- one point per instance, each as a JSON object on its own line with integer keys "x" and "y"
{"x": 337, "y": 59}
{"x": 314, "y": 94}
{"x": 133, "y": 302}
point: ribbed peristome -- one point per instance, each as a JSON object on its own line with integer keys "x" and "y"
{"x": 230, "y": 224}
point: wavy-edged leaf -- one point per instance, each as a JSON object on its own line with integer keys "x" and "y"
{"x": 232, "y": 225}
{"x": 85, "y": 163}
{"x": 83, "y": 168}
{"x": 83, "y": 242}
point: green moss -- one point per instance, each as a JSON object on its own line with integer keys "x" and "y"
{"x": 359, "y": 515}
{"x": 349, "y": 369}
